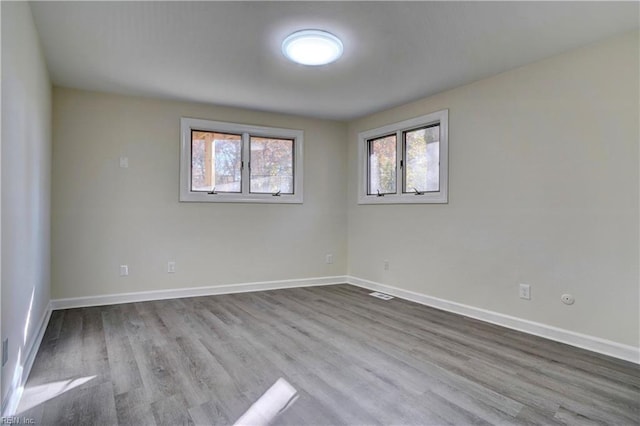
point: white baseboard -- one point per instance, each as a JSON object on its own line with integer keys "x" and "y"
{"x": 143, "y": 296}
{"x": 595, "y": 344}
{"x": 22, "y": 370}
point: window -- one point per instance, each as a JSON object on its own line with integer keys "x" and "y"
{"x": 271, "y": 165}
{"x": 405, "y": 162}
{"x": 382, "y": 165}
{"x": 228, "y": 162}
{"x": 216, "y": 161}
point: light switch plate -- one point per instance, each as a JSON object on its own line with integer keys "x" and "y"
{"x": 525, "y": 291}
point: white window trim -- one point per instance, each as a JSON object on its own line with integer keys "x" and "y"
{"x": 188, "y": 124}
{"x": 440, "y": 197}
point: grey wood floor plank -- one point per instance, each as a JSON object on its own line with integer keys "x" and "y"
{"x": 531, "y": 416}
{"x": 587, "y": 400}
{"x": 80, "y": 406}
{"x": 52, "y": 331}
{"x": 205, "y": 366}
{"x": 172, "y": 411}
{"x": 47, "y": 360}
{"x": 210, "y": 413}
{"x": 133, "y": 408}
{"x": 225, "y": 407}
{"x": 93, "y": 349}
{"x": 308, "y": 410}
{"x": 154, "y": 370}
{"x": 96, "y": 406}
{"x": 113, "y": 322}
{"x": 354, "y": 359}
{"x": 194, "y": 392}
{"x": 249, "y": 371}
{"x": 124, "y": 367}
{"x": 133, "y": 323}
{"x": 569, "y": 417}
{"x": 122, "y": 362}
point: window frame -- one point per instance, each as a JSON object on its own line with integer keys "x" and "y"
{"x": 440, "y": 118}
{"x": 187, "y": 125}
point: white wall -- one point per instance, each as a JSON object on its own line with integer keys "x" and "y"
{"x": 105, "y": 216}
{"x": 26, "y": 166}
{"x": 543, "y": 190}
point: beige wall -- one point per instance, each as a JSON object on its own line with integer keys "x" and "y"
{"x": 26, "y": 188}
{"x": 543, "y": 190}
{"x": 105, "y": 216}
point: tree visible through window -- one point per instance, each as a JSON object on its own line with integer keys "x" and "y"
{"x": 382, "y": 165}
{"x": 422, "y": 157}
{"x": 271, "y": 165}
{"x": 216, "y": 161}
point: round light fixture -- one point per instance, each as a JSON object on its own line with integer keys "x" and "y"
{"x": 312, "y": 47}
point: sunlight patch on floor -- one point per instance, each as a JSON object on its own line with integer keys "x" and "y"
{"x": 36, "y": 395}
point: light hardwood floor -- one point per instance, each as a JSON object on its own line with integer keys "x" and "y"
{"x": 354, "y": 359}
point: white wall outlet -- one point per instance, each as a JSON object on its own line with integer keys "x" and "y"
{"x": 171, "y": 267}
{"x": 525, "y": 291}
{"x": 386, "y": 265}
{"x": 124, "y": 270}
{"x": 568, "y": 299}
{"x": 124, "y": 162}
{"x": 329, "y": 258}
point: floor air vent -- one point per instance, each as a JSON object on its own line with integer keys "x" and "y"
{"x": 381, "y": 295}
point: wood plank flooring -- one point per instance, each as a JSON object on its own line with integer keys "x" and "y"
{"x": 354, "y": 359}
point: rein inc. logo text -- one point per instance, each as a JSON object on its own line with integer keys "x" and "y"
{"x": 17, "y": 420}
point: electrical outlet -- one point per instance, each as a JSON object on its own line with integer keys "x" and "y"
{"x": 124, "y": 162}
{"x": 5, "y": 351}
{"x": 525, "y": 291}
{"x": 329, "y": 258}
{"x": 171, "y": 267}
{"x": 124, "y": 270}
{"x": 386, "y": 265}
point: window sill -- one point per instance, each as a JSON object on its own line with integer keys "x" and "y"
{"x": 427, "y": 198}
{"x": 200, "y": 197}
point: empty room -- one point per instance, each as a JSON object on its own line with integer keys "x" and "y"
{"x": 320, "y": 213}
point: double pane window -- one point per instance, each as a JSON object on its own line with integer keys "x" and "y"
{"x": 405, "y": 162}
{"x": 227, "y": 162}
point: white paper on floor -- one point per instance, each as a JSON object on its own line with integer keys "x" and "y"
{"x": 270, "y": 405}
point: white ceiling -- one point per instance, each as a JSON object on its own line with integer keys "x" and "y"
{"x": 228, "y": 53}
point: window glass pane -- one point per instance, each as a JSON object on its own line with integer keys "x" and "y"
{"x": 216, "y": 161}
{"x": 271, "y": 165}
{"x": 422, "y": 159}
{"x": 382, "y": 165}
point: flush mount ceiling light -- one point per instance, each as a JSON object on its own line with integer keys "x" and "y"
{"x": 312, "y": 47}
